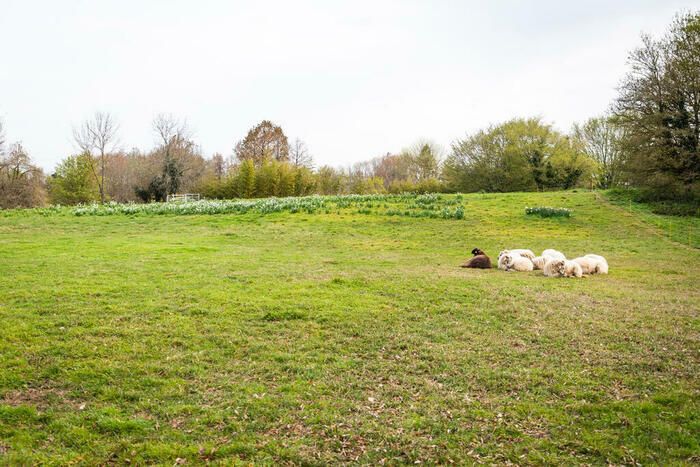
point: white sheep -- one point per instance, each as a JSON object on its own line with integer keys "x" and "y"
{"x": 502, "y": 262}
{"x": 562, "y": 268}
{"x": 553, "y": 254}
{"x": 601, "y": 264}
{"x": 540, "y": 261}
{"x": 572, "y": 269}
{"x": 588, "y": 265}
{"x": 515, "y": 262}
{"x": 519, "y": 251}
{"x": 554, "y": 268}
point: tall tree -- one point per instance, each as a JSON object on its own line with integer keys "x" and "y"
{"x": 425, "y": 160}
{"x": 329, "y": 181}
{"x": 245, "y": 181}
{"x": 659, "y": 109}
{"x": 97, "y": 136}
{"x": 73, "y": 182}
{"x": 519, "y": 155}
{"x": 601, "y": 139}
{"x": 265, "y": 141}
{"x": 393, "y": 168}
{"x": 182, "y": 162}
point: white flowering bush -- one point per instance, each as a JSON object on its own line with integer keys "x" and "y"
{"x": 431, "y": 205}
{"x": 546, "y": 211}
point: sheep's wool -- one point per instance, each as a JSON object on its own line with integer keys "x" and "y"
{"x": 554, "y": 254}
{"x": 518, "y": 263}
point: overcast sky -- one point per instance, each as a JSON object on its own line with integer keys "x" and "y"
{"x": 354, "y": 79}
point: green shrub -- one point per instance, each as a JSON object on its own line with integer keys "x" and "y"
{"x": 544, "y": 211}
{"x": 688, "y": 207}
{"x": 676, "y": 209}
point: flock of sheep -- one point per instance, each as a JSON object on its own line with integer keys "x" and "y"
{"x": 552, "y": 262}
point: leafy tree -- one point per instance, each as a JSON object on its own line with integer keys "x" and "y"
{"x": 366, "y": 185}
{"x": 245, "y": 180}
{"x": 423, "y": 161}
{"x": 304, "y": 181}
{"x": 601, "y": 139}
{"x": 285, "y": 179}
{"x": 427, "y": 163}
{"x": 659, "y": 110}
{"x": 519, "y": 155}
{"x": 329, "y": 181}
{"x": 265, "y": 141}
{"x": 266, "y": 179}
{"x": 74, "y": 182}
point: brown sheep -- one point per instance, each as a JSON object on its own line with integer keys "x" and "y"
{"x": 479, "y": 261}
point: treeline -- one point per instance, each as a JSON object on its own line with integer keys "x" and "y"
{"x": 263, "y": 164}
{"x": 648, "y": 139}
{"x": 523, "y": 154}
{"x": 658, "y": 114}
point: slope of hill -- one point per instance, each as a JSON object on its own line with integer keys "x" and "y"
{"x": 346, "y": 335}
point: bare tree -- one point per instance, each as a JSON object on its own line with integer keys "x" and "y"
{"x": 299, "y": 154}
{"x": 97, "y": 137}
{"x": 182, "y": 162}
{"x": 218, "y": 164}
{"x": 21, "y": 182}
{"x": 170, "y": 129}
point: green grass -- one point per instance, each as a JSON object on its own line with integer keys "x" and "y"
{"x": 346, "y": 337}
{"x": 681, "y": 229}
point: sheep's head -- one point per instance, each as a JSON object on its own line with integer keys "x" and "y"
{"x": 504, "y": 252}
{"x": 508, "y": 260}
{"x": 477, "y": 252}
{"x": 559, "y": 266}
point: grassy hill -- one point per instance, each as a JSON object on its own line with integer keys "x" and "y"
{"x": 346, "y": 334}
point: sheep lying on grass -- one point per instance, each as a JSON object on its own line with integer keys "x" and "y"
{"x": 513, "y": 262}
{"x": 554, "y": 268}
{"x": 552, "y": 262}
{"x": 479, "y": 261}
{"x": 602, "y": 267}
{"x": 502, "y": 261}
{"x": 554, "y": 254}
{"x": 540, "y": 261}
{"x": 572, "y": 269}
{"x": 592, "y": 264}
{"x": 519, "y": 251}
{"x": 547, "y": 255}
{"x": 562, "y": 268}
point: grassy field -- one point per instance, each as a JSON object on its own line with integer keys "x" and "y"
{"x": 681, "y": 229}
{"x": 346, "y": 335}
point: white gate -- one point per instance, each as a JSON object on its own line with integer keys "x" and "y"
{"x": 183, "y": 197}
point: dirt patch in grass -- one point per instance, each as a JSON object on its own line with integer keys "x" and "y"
{"x": 41, "y": 398}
